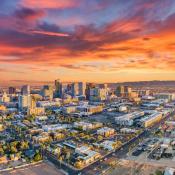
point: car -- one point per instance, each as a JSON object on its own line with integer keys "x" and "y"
{"x": 137, "y": 152}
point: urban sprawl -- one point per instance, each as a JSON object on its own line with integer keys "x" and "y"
{"x": 88, "y": 128}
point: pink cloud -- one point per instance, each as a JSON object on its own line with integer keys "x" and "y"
{"x": 50, "y": 33}
{"x": 61, "y": 4}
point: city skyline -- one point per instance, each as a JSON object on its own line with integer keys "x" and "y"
{"x": 86, "y": 40}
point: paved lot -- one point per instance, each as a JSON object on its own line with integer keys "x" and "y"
{"x": 40, "y": 169}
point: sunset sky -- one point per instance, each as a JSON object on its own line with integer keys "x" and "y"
{"x": 87, "y": 40}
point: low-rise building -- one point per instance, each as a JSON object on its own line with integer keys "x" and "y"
{"x": 128, "y": 130}
{"x": 36, "y": 111}
{"x": 169, "y": 171}
{"x": 105, "y": 131}
{"x": 69, "y": 109}
{"x": 35, "y": 131}
{"x": 87, "y": 126}
{"x": 151, "y": 119}
{"x": 108, "y": 145}
{"x": 41, "y": 118}
{"x": 86, "y": 155}
{"x": 48, "y": 103}
{"x": 43, "y": 137}
{"x": 122, "y": 108}
{"x": 167, "y": 96}
{"x": 2, "y": 108}
{"x": 128, "y": 119}
{"x": 3, "y": 159}
{"x": 90, "y": 109}
{"x": 55, "y": 127}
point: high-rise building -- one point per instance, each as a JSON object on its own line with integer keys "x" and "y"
{"x": 32, "y": 109}
{"x": 47, "y": 92}
{"x": 89, "y": 86}
{"x": 24, "y": 101}
{"x": 120, "y": 91}
{"x": 78, "y": 89}
{"x": 33, "y": 102}
{"x": 74, "y": 89}
{"x": 4, "y": 98}
{"x": 58, "y": 89}
{"x": 123, "y": 91}
{"x": 25, "y": 90}
{"x": 82, "y": 88}
{"x": 12, "y": 90}
{"x": 103, "y": 86}
{"x": 97, "y": 94}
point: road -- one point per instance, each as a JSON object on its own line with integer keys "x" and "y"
{"x": 122, "y": 152}
{"x": 98, "y": 167}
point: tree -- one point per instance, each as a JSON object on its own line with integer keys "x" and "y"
{"x": 1, "y": 151}
{"x": 64, "y": 151}
{"x": 13, "y": 149}
{"x": 100, "y": 138}
{"x": 37, "y": 157}
{"x": 78, "y": 164}
{"x": 158, "y": 172}
{"x": 24, "y": 145}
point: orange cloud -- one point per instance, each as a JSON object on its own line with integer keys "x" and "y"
{"x": 50, "y": 33}
{"x": 125, "y": 44}
{"x": 61, "y": 4}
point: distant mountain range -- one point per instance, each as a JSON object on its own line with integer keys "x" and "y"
{"x": 155, "y": 83}
{"x": 145, "y": 84}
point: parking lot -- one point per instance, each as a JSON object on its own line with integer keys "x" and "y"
{"x": 146, "y": 152}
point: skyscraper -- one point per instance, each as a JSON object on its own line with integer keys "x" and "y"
{"x": 32, "y": 102}
{"x": 103, "y": 86}
{"x": 89, "y": 86}
{"x": 74, "y": 89}
{"x": 25, "y": 90}
{"x": 78, "y": 89}
{"x": 97, "y": 94}
{"x": 24, "y": 101}
{"x": 58, "y": 89}
{"x": 47, "y": 92}
{"x": 123, "y": 91}
{"x": 120, "y": 91}
{"x": 82, "y": 88}
{"x": 12, "y": 90}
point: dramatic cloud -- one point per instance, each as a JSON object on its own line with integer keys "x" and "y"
{"x": 60, "y": 4}
{"x": 70, "y": 35}
{"x": 50, "y": 33}
{"x": 28, "y": 14}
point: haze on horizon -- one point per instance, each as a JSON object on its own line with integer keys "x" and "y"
{"x": 87, "y": 40}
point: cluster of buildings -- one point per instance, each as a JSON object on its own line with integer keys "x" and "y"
{"x": 35, "y": 102}
{"x": 82, "y": 122}
{"x": 85, "y": 126}
{"x": 85, "y": 156}
{"x": 151, "y": 119}
{"x": 128, "y": 119}
{"x": 106, "y": 132}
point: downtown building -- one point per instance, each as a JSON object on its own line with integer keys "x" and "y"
{"x": 47, "y": 92}
{"x": 128, "y": 119}
{"x": 97, "y": 94}
{"x": 24, "y": 101}
{"x": 123, "y": 91}
{"x": 78, "y": 89}
{"x": 25, "y": 90}
{"x": 12, "y": 90}
{"x": 58, "y": 89}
